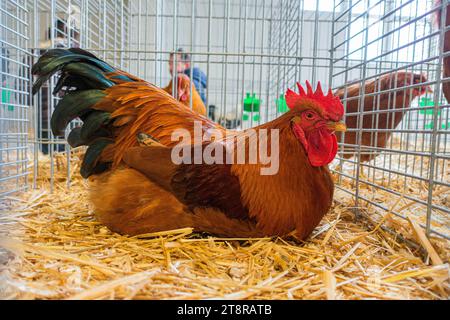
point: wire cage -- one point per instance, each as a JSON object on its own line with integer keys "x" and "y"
{"x": 15, "y": 104}
{"x": 370, "y": 40}
{"x": 254, "y": 49}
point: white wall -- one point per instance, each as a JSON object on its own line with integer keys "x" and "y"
{"x": 270, "y": 29}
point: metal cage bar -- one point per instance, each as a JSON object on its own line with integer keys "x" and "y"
{"x": 403, "y": 177}
{"x": 15, "y": 97}
{"x": 256, "y": 48}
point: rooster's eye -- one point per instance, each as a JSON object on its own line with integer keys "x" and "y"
{"x": 309, "y": 115}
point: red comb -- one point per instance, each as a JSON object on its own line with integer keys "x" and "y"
{"x": 330, "y": 104}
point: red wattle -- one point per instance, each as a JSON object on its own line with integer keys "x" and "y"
{"x": 334, "y": 150}
{"x": 322, "y": 147}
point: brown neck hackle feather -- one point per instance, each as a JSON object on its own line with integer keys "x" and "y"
{"x": 141, "y": 107}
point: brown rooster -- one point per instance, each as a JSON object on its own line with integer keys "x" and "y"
{"x": 184, "y": 92}
{"x": 138, "y": 189}
{"x": 446, "y": 47}
{"x": 386, "y": 102}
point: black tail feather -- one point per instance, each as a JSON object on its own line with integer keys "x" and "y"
{"x": 83, "y": 52}
{"x": 89, "y": 73}
{"x": 90, "y": 160}
{"x": 84, "y": 77}
{"x": 72, "y": 106}
{"x": 93, "y": 122}
{"x": 74, "y": 138}
{"x": 54, "y": 65}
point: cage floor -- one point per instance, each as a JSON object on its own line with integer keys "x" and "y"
{"x": 55, "y": 249}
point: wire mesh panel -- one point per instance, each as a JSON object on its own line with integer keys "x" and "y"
{"x": 394, "y": 157}
{"x": 383, "y": 58}
{"x": 101, "y": 26}
{"x": 14, "y": 88}
{"x": 250, "y": 50}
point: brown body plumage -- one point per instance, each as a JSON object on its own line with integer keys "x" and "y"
{"x": 296, "y": 198}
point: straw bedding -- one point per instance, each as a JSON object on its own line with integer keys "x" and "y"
{"x": 53, "y": 248}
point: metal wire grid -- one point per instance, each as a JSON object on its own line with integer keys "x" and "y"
{"x": 223, "y": 40}
{"x": 101, "y": 26}
{"x": 243, "y": 46}
{"x": 301, "y": 38}
{"x": 14, "y": 89}
{"x": 388, "y": 36}
{"x": 262, "y": 47}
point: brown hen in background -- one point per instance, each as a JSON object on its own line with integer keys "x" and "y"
{"x": 446, "y": 62}
{"x": 184, "y": 92}
{"x": 388, "y": 102}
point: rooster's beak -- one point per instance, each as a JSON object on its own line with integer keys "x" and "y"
{"x": 337, "y": 126}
